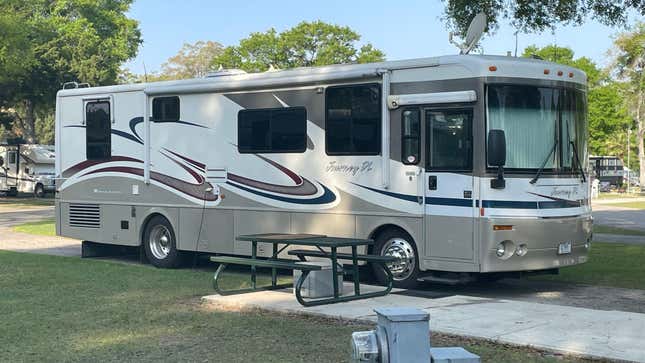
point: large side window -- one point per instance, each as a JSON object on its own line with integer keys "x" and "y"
{"x": 353, "y": 120}
{"x": 272, "y": 130}
{"x": 97, "y": 130}
{"x": 449, "y": 134}
{"x": 410, "y": 136}
{"x": 165, "y": 109}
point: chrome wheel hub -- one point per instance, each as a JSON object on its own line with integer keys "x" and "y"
{"x": 403, "y": 250}
{"x": 160, "y": 242}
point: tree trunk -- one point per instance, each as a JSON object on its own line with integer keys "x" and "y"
{"x": 29, "y": 122}
{"x": 641, "y": 134}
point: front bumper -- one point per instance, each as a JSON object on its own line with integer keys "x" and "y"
{"x": 541, "y": 236}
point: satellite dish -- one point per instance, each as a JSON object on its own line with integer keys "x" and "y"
{"x": 474, "y": 33}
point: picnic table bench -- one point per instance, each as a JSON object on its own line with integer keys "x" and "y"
{"x": 317, "y": 241}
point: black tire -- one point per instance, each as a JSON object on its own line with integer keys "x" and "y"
{"x": 161, "y": 252}
{"x": 13, "y": 192}
{"x": 397, "y": 243}
{"x": 39, "y": 191}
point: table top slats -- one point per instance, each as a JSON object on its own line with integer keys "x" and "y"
{"x": 305, "y": 239}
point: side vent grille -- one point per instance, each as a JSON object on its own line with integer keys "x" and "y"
{"x": 85, "y": 215}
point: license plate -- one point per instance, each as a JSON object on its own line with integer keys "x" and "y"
{"x": 564, "y": 248}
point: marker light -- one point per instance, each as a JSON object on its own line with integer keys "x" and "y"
{"x": 492, "y": 68}
{"x": 499, "y": 227}
{"x": 560, "y": 73}
{"x": 546, "y": 71}
{"x": 570, "y": 74}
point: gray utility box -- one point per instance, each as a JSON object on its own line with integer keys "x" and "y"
{"x": 319, "y": 283}
{"x": 407, "y": 331}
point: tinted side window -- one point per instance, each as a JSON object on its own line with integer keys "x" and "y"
{"x": 353, "y": 120}
{"x": 449, "y": 133}
{"x": 97, "y": 130}
{"x": 410, "y": 136}
{"x": 272, "y": 130}
{"x": 165, "y": 109}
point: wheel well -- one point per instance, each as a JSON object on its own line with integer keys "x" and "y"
{"x": 385, "y": 227}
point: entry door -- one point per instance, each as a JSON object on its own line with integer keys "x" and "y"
{"x": 12, "y": 168}
{"x": 449, "y": 194}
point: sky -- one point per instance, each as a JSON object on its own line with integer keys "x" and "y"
{"x": 402, "y": 29}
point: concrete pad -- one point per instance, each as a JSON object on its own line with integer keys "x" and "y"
{"x": 593, "y": 333}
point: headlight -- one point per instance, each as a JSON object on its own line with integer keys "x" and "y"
{"x": 521, "y": 250}
{"x": 505, "y": 249}
{"x": 501, "y": 249}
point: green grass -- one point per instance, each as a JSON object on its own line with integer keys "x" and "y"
{"x": 616, "y": 265}
{"x": 617, "y": 195}
{"x": 44, "y": 228}
{"x": 25, "y": 201}
{"x": 70, "y": 309}
{"x": 617, "y": 230}
{"x": 637, "y": 205}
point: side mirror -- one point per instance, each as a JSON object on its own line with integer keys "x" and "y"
{"x": 496, "y": 156}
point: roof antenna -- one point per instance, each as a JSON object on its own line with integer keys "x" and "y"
{"x": 516, "y": 32}
{"x": 145, "y": 72}
{"x": 473, "y": 35}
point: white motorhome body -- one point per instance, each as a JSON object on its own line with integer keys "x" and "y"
{"x": 395, "y": 151}
{"x": 27, "y": 168}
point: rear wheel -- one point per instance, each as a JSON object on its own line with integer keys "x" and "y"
{"x": 160, "y": 244}
{"x": 405, "y": 271}
{"x": 39, "y": 191}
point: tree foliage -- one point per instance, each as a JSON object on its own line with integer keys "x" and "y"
{"x": 192, "y": 60}
{"x": 530, "y": 15}
{"x": 60, "y": 41}
{"x": 307, "y": 44}
{"x": 629, "y": 63}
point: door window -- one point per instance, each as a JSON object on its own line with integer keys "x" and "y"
{"x": 12, "y": 157}
{"x": 449, "y": 135}
{"x": 97, "y": 130}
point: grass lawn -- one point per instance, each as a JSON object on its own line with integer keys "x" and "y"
{"x": 71, "y": 309}
{"x": 610, "y": 264}
{"x": 617, "y": 195}
{"x": 637, "y": 205}
{"x": 25, "y": 201}
{"x": 44, "y": 228}
{"x": 617, "y": 230}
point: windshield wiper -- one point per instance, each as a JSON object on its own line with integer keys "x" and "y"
{"x": 539, "y": 172}
{"x": 580, "y": 169}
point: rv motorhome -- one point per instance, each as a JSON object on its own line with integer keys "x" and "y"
{"x": 27, "y": 168}
{"x": 460, "y": 164}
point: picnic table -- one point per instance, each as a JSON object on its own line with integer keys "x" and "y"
{"x": 281, "y": 241}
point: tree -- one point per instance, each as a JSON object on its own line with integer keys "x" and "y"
{"x": 608, "y": 117}
{"x": 66, "y": 40}
{"x": 307, "y": 44}
{"x": 530, "y": 15}
{"x": 192, "y": 60}
{"x": 629, "y": 60}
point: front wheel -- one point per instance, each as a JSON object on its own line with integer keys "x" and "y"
{"x": 160, "y": 244}
{"x": 398, "y": 244}
{"x": 39, "y": 191}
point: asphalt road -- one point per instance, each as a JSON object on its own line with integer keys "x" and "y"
{"x": 593, "y": 297}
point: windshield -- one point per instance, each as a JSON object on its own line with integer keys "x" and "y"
{"x": 537, "y": 119}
